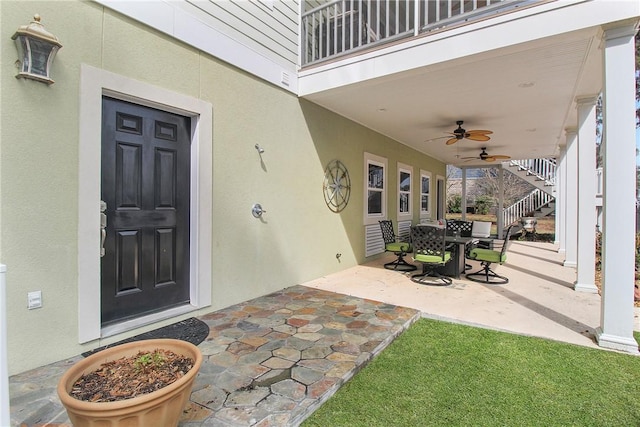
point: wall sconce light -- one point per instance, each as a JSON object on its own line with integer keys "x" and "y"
{"x": 36, "y": 47}
{"x": 260, "y": 149}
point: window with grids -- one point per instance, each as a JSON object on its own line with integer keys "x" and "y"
{"x": 404, "y": 190}
{"x": 425, "y": 193}
{"x": 376, "y": 174}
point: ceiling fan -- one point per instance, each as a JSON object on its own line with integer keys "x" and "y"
{"x": 486, "y": 157}
{"x": 474, "y": 135}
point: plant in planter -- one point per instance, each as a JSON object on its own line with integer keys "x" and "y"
{"x": 139, "y": 383}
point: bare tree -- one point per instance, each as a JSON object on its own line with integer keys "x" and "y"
{"x": 515, "y": 188}
{"x": 453, "y": 178}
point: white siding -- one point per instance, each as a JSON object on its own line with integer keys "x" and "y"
{"x": 374, "y": 244}
{"x": 404, "y": 231}
{"x": 259, "y": 37}
{"x": 268, "y": 27}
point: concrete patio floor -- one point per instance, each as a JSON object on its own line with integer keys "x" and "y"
{"x": 273, "y": 360}
{"x": 539, "y": 299}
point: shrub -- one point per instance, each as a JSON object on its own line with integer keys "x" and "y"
{"x": 637, "y": 251}
{"x": 454, "y": 203}
{"x": 483, "y": 203}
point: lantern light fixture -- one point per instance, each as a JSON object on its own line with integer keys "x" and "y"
{"x": 37, "y": 48}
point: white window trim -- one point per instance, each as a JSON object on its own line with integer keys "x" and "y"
{"x": 404, "y": 216}
{"x": 94, "y": 83}
{"x": 380, "y": 161}
{"x": 427, "y": 213}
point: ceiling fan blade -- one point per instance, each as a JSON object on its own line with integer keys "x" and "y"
{"x": 476, "y": 131}
{"x": 452, "y": 141}
{"x": 477, "y": 137}
{"x": 470, "y": 158}
{"x": 501, "y": 157}
{"x": 490, "y": 159}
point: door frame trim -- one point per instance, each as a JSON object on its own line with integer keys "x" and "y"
{"x": 441, "y": 196}
{"x": 94, "y": 83}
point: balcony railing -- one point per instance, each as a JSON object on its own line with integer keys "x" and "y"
{"x": 339, "y": 27}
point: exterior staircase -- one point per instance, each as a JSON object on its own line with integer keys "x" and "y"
{"x": 541, "y": 201}
{"x": 541, "y": 173}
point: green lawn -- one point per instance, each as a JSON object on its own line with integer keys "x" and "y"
{"x": 546, "y": 225}
{"x": 443, "y": 374}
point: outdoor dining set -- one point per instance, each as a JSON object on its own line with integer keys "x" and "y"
{"x": 444, "y": 247}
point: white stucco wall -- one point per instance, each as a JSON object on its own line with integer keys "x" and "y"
{"x": 39, "y": 142}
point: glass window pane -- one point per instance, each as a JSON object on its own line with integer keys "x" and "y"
{"x": 23, "y": 47}
{"x": 40, "y": 54}
{"x": 376, "y": 176}
{"x": 404, "y": 203}
{"x": 425, "y": 185}
{"x": 424, "y": 203}
{"x": 374, "y": 204}
{"x": 405, "y": 181}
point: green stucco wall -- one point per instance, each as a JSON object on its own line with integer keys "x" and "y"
{"x": 39, "y": 182}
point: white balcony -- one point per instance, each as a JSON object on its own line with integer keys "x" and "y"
{"x": 411, "y": 69}
{"x": 342, "y": 27}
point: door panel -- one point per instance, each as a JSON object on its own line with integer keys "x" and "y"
{"x": 145, "y": 183}
{"x": 129, "y": 174}
{"x": 128, "y": 261}
{"x": 165, "y": 256}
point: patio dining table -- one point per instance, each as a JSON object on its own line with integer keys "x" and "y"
{"x": 456, "y": 266}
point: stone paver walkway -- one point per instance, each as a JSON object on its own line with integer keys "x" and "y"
{"x": 270, "y": 361}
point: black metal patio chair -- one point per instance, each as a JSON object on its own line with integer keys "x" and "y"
{"x": 490, "y": 256}
{"x": 430, "y": 249}
{"x": 462, "y": 227}
{"x": 391, "y": 244}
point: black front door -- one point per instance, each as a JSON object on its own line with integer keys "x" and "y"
{"x": 145, "y": 184}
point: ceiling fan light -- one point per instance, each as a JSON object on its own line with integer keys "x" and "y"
{"x": 460, "y": 133}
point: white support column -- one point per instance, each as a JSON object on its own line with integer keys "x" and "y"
{"x": 500, "y": 222}
{"x": 560, "y": 201}
{"x": 571, "y": 199}
{"x": 586, "y": 195}
{"x": 618, "y": 234}
{"x": 463, "y": 203}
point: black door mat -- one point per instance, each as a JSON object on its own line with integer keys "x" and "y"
{"x": 191, "y": 330}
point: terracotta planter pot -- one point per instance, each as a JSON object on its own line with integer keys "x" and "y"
{"x": 159, "y": 408}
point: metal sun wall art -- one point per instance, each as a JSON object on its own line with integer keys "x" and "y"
{"x": 336, "y": 186}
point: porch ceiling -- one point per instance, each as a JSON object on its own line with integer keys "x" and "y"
{"x": 524, "y": 93}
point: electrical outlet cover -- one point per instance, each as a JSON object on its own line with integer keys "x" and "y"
{"x": 34, "y": 300}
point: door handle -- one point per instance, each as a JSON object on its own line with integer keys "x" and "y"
{"x": 103, "y": 226}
